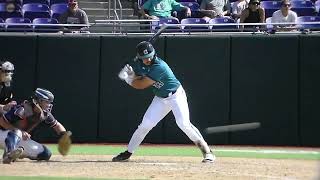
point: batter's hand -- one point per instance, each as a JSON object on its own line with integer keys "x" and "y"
{"x": 127, "y": 74}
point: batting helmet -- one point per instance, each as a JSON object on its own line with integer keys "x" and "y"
{"x": 145, "y": 50}
{"x": 43, "y": 94}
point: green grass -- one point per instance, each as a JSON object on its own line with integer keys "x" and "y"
{"x": 192, "y": 151}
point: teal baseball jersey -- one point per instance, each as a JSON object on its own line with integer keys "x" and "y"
{"x": 160, "y": 72}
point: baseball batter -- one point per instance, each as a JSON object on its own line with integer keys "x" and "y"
{"x": 148, "y": 70}
{"x": 20, "y": 120}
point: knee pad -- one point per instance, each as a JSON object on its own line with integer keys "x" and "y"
{"x": 45, "y": 154}
{"x": 13, "y": 138}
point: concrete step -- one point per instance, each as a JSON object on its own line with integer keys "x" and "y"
{"x": 124, "y": 3}
{"x": 87, "y": 4}
{"x": 92, "y": 18}
{"x": 100, "y": 11}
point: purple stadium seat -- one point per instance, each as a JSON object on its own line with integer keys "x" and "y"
{"x": 317, "y": 6}
{"x": 4, "y": 13}
{"x": 35, "y": 1}
{"x": 194, "y": 6}
{"x": 187, "y": 1}
{"x": 223, "y": 20}
{"x": 58, "y": 2}
{"x": 270, "y": 7}
{"x": 11, "y": 1}
{"x": 303, "y": 8}
{"x": 304, "y": 19}
{"x": 58, "y": 9}
{"x": 2, "y": 27}
{"x": 14, "y": 27}
{"x": 41, "y": 28}
{"x": 35, "y": 10}
{"x": 187, "y": 28}
{"x": 173, "y": 20}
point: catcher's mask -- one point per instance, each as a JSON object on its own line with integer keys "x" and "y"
{"x": 6, "y": 72}
{"x": 145, "y": 50}
{"x": 44, "y": 98}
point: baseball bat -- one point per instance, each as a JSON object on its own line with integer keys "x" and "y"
{"x": 234, "y": 127}
{"x": 155, "y": 37}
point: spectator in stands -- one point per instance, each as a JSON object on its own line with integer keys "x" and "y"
{"x": 284, "y": 15}
{"x": 237, "y": 8}
{"x": 253, "y": 14}
{"x": 162, "y": 9}
{"x": 214, "y": 8}
{"x": 74, "y": 15}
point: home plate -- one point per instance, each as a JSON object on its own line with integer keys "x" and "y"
{"x": 155, "y": 163}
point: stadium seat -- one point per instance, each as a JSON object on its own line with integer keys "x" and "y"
{"x": 187, "y": 1}
{"x": 223, "y": 20}
{"x": 2, "y": 27}
{"x": 269, "y": 25}
{"x": 187, "y": 28}
{"x": 303, "y": 8}
{"x": 270, "y": 7}
{"x": 17, "y": 25}
{"x": 194, "y": 6}
{"x": 7, "y": 13}
{"x": 11, "y": 1}
{"x": 317, "y": 6}
{"x": 173, "y": 20}
{"x": 35, "y": 1}
{"x": 58, "y": 9}
{"x": 58, "y": 2}
{"x": 41, "y": 28}
{"x": 35, "y": 10}
{"x": 304, "y": 19}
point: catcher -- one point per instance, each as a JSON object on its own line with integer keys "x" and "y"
{"x": 17, "y": 124}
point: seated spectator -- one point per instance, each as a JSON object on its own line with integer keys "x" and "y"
{"x": 237, "y": 8}
{"x": 74, "y": 15}
{"x": 162, "y": 9}
{"x": 284, "y": 15}
{"x": 214, "y": 8}
{"x": 253, "y": 14}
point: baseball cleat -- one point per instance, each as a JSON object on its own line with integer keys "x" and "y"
{"x": 12, "y": 156}
{"x": 209, "y": 158}
{"x": 124, "y": 156}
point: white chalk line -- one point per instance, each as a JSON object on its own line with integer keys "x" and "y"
{"x": 268, "y": 151}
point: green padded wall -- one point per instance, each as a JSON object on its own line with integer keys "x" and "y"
{"x": 264, "y": 88}
{"x": 69, "y": 67}
{"x": 202, "y": 66}
{"x": 309, "y": 89}
{"x": 22, "y": 52}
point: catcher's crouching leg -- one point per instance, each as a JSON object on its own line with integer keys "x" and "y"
{"x": 44, "y": 155}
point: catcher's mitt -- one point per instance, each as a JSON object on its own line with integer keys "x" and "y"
{"x": 64, "y": 143}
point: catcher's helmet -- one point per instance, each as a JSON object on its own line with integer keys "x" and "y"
{"x": 43, "y": 94}
{"x": 145, "y": 50}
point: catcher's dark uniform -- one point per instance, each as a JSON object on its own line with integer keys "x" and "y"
{"x": 25, "y": 118}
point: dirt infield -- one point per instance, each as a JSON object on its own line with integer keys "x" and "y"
{"x": 164, "y": 167}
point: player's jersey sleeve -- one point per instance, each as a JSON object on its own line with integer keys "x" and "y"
{"x": 50, "y": 120}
